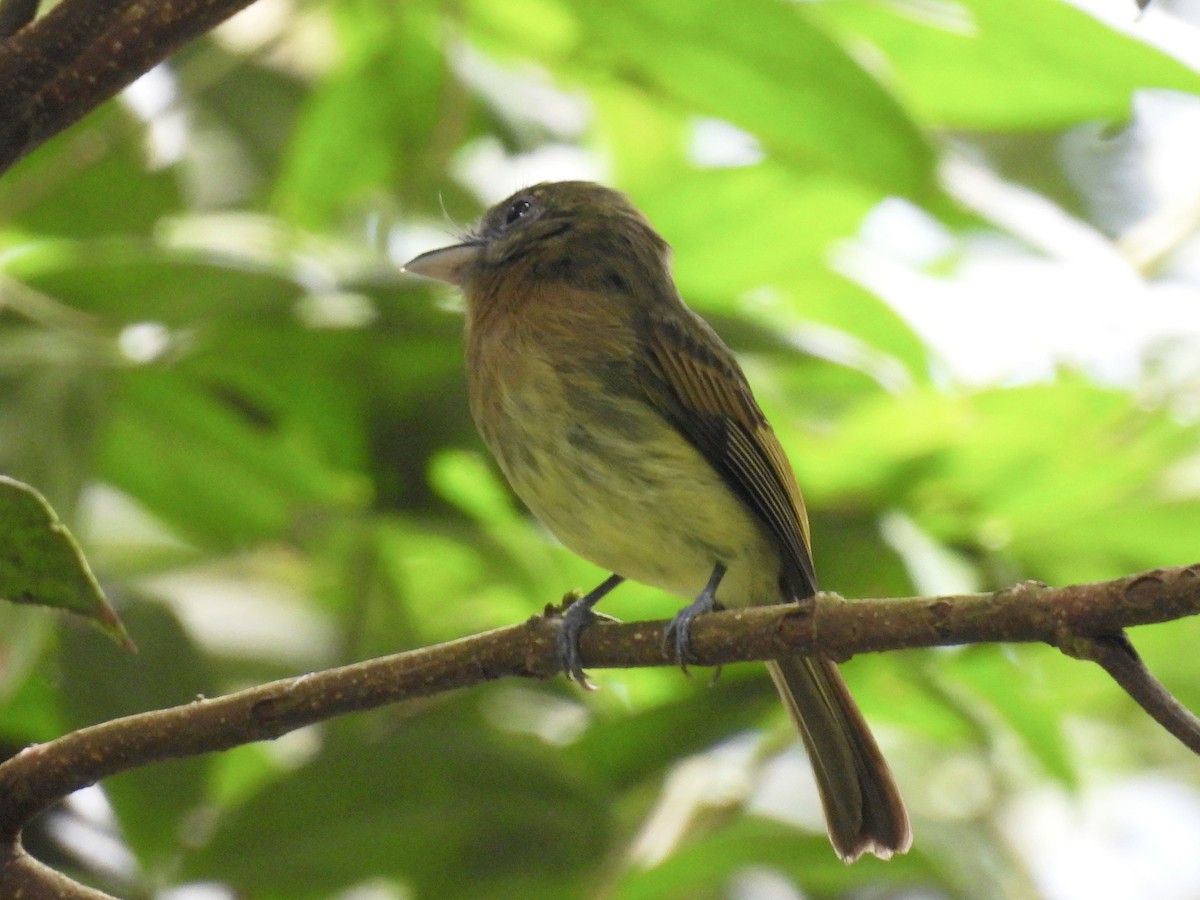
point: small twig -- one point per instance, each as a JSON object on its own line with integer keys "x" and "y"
{"x": 1120, "y": 660}
{"x": 22, "y": 876}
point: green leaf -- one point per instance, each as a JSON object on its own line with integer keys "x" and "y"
{"x": 706, "y": 868}
{"x": 629, "y": 748}
{"x": 771, "y": 70}
{"x": 1007, "y": 64}
{"x": 130, "y": 280}
{"x": 730, "y": 246}
{"x": 54, "y": 393}
{"x": 997, "y": 678}
{"x": 437, "y": 801}
{"x": 215, "y": 461}
{"x": 250, "y": 114}
{"x": 368, "y": 126}
{"x": 93, "y": 179}
{"x": 30, "y": 704}
{"x": 41, "y": 563}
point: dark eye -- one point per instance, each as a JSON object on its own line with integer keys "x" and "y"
{"x": 517, "y": 210}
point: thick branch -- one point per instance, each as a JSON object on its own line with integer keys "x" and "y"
{"x": 1085, "y": 620}
{"x": 62, "y": 66}
{"x": 836, "y": 627}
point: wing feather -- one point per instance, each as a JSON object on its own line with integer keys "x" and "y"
{"x": 694, "y": 380}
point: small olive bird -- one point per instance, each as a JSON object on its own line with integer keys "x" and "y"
{"x": 626, "y": 425}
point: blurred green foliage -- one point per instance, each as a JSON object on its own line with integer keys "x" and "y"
{"x": 211, "y": 366}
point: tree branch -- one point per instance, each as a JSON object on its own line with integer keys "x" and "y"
{"x": 22, "y": 876}
{"x": 63, "y": 65}
{"x": 1116, "y": 654}
{"x": 1084, "y": 620}
{"x": 15, "y": 15}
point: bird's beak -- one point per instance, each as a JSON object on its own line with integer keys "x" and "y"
{"x": 449, "y": 264}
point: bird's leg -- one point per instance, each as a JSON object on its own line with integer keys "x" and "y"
{"x": 679, "y": 633}
{"x": 575, "y": 618}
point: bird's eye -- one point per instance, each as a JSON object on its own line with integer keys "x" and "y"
{"x": 517, "y": 210}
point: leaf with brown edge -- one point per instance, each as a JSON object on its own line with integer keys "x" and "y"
{"x": 41, "y": 563}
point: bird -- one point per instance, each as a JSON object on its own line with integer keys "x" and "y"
{"x": 628, "y": 428}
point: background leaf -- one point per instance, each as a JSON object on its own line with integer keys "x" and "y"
{"x": 41, "y": 563}
{"x": 954, "y": 247}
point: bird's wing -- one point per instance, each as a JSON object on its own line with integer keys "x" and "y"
{"x": 692, "y": 378}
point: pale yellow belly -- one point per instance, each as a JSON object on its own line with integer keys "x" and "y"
{"x": 622, "y": 488}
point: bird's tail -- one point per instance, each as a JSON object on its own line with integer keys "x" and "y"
{"x": 863, "y": 808}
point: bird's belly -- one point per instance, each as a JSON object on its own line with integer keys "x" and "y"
{"x": 617, "y": 484}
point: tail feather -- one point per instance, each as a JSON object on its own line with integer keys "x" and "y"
{"x": 863, "y": 808}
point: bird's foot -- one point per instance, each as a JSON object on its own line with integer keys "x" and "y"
{"x": 575, "y": 618}
{"x": 678, "y": 635}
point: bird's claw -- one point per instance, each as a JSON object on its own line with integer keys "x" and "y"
{"x": 678, "y": 634}
{"x": 577, "y": 615}
{"x": 575, "y": 618}
{"x": 677, "y": 637}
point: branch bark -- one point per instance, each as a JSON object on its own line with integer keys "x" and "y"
{"x": 15, "y": 15}
{"x": 58, "y": 68}
{"x": 1085, "y": 621}
{"x": 22, "y": 876}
